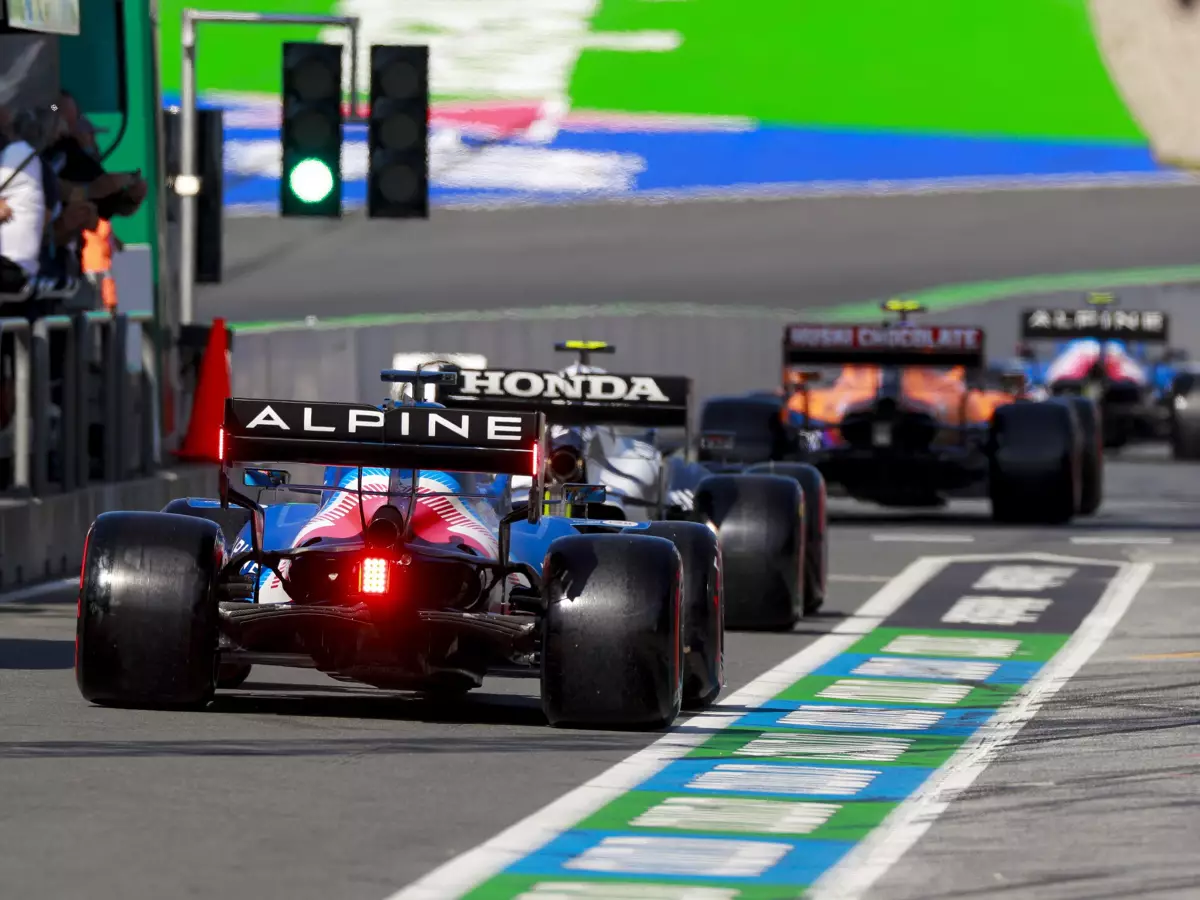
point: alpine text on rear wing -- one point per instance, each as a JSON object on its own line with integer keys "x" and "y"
{"x": 1150, "y": 326}
{"x": 581, "y": 399}
{"x": 892, "y": 345}
{"x": 476, "y": 440}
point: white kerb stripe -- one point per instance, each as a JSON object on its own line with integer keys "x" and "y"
{"x": 895, "y": 691}
{"x": 958, "y": 670}
{"x": 865, "y": 718}
{"x": 820, "y": 781}
{"x": 934, "y": 645}
{"x": 737, "y": 814}
{"x": 623, "y": 890}
{"x": 705, "y": 857}
{"x": 832, "y": 747}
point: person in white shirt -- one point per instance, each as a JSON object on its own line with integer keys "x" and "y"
{"x": 23, "y": 227}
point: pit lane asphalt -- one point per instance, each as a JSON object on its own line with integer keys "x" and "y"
{"x": 784, "y": 253}
{"x": 301, "y": 787}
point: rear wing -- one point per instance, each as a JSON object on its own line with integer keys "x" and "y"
{"x": 581, "y": 399}
{"x": 887, "y": 345}
{"x": 1148, "y": 326}
{"x": 347, "y": 434}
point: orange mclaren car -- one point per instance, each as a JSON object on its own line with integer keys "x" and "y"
{"x": 903, "y": 415}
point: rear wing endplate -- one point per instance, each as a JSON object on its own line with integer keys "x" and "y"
{"x": 888, "y": 345}
{"x": 653, "y": 401}
{"x": 1148, "y": 326}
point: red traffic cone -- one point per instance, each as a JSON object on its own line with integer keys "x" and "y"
{"x": 213, "y": 388}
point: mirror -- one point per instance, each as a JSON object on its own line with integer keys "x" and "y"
{"x": 266, "y": 478}
{"x": 584, "y": 493}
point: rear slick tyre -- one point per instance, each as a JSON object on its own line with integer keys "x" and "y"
{"x": 816, "y": 516}
{"x": 759, "y": 520}
{"x": 1091, "y": 460}
{"x": 612, "y": 641}
{"x": 1034, "y": 464}
{"x": 147, "y": 627}
{"x": 703, "y": 610}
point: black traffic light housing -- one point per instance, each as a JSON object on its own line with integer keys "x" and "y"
{"x": 310, "y": 182}
{"x": 398, "y": 133}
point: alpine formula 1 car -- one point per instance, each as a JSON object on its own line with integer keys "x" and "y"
{"x": 904, "y": 415}
{"x": 411, "y": 568}
{"x": 607, "y": 429}
{"x": 1104, "y": 353}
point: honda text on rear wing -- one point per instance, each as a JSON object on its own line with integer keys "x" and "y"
{"x": 592, "y": 398}
{"x": 886, "y": 345}
{"x": 1147, "y": 326}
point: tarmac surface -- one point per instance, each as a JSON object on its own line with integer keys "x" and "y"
{"x": 297, "y": 786}
{"x": 784, "y": 253}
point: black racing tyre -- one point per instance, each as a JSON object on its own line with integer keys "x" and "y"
{"x": 760, "y": 526}
{"x": 1091, "y": 460}
{"x": 1035, "y": 471}
{"x": 1185, "y": 417}
{"x": 816, "y": 520}
{"x": 612, "y": 637}
{"x": 231, "y": 522}
{"x": 703, "y": 612}
{"x": 147, "y": 628}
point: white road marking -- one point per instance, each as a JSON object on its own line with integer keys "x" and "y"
{"x": 623, "y": 890}
{"x": 1120, "y": 540}
{"x": 755, "y": 778}
{"x": 830, "y": 747}
{"x": 866, "y": 863}
{"x": 867, "y": 718}
{"x": 955, "y": 670}
{"x": 1028, "y": 579}
{"x": 738, "y": 814}
{"x": 901, "y": 537}
{"x": 39, "y": 590}
{"x": 707, "y": 857}
{"x": 465, "y": 872}
{"x": 895, "y": 691}
{"x": 935, "y": 645}
{"x": 996, "y": 611}
{"x": 860, "y": 579}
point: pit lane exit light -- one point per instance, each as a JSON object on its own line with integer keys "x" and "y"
{"x": 311, "y": 130}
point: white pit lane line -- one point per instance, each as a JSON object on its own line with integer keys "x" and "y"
{"x": 867, "y": 862}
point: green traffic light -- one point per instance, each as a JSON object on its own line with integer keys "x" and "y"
{"x": 311, "y": 181}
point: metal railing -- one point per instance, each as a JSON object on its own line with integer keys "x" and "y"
{"x": 83, "y": 397}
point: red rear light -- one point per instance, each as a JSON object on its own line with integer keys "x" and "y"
{"x": 221, "y": 444}
{"x": 537, "y": 462}
{"x": 373, "y": 576}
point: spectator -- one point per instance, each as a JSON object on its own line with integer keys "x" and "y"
{"x": 24, "y": 216}
{"x": 99, "y": 244}
{"x": 59, "y": 250}
{"x": 75, "y": 159}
